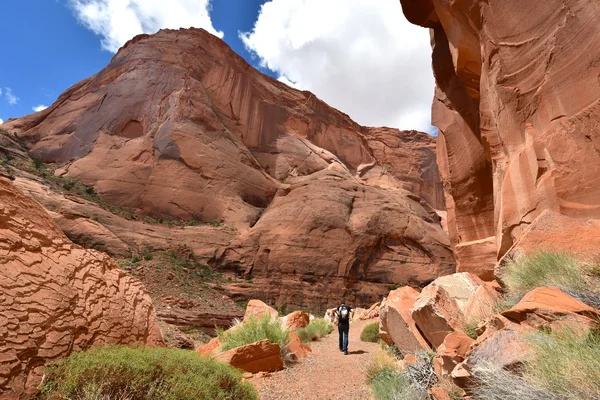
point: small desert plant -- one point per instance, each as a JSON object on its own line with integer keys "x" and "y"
{"x": 495, "y": 383}
{"x": 117, "y": 373}
{"x": 381, "y": 361}
{"x": 545, "y": 268}
{"x": 317, "y": 329}
{"x": 254, "y": 330}
{"x": 370, "y": 333}
{"x": 567, "y": 362}
{"x": 422, "y": 373}
{"x": 394, "y": 385}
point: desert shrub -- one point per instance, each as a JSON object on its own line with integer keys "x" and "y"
{"x": 545, "y": 268}
{"x": 117, "y": 373}
{"x": 370, "y": 333}
{"x": 317, "y": 329}
{"x": 422, "y": 373}
{"x": 567, "y": 362}
{"x": 394, "y": 385}
{"x": 254, "y": 330}
{"x": 382, "y": 361}
{"x": 494, "y": 383}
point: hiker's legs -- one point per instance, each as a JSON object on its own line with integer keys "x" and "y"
{"x": 346, "y": 329}
{"x": 341, "y": 333}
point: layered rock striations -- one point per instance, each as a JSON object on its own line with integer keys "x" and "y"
{"x": 517, "y": 104}
{"x": 56, "y": 297}
{"x": 178, "y": 126}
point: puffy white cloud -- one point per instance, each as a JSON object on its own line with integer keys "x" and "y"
{"x": 360, "y": 56}
{"x": 117, "y": 21}
{"x": 1, "y": 121}
{"x": 10, "y": 97}
{"x": 39, "y": 108}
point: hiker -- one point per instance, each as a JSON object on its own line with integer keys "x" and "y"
{"x": 343, "y": 314}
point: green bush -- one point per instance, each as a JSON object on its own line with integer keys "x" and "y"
{"x": 393, "y": 385}
{"x": 317, "y": 329}
{"x": 545, "y": 269}
{"x": 370, "y": 333}
{"x": 116, "y": 373}
{"x": 254, "y": 330}
{"x": 566, "y": 362}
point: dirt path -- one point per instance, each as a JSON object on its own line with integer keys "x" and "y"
{"x": 327, "y": 374}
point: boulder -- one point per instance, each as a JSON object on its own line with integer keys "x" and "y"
{"x": 261, "y": 356}
{"x": 506, "y": 349}
{"x": 372, "y": 312}
{"x": 257, "y": 309}
{"x": 552, "y": 308}
{"x": 436, "y": 314}
{"x": 358, "y": 312}
{"x": 296, "y": 346}
{"x": 330, "y": 315}
{"x": 438, "y": 393}
{"x": 295, "y": 320}
{"x": 210, "y": 348}
{"x": 453, "y": 350}
{"x": 56, "y": 297}
{"x": 445, "y": 304}
{"x": 396, "y": 326}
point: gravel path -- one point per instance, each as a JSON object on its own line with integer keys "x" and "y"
{"x": 327, "y": 374}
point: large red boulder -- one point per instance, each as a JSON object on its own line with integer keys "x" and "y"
{"x": 257, "y": 308}
{"x": 454, "y": 350}
{"x": 296, "y": 346}
{"x": 210, "y": 348}
{"x": 396, "y": 326}
{"x": 296, "y": 320}
{"x": 262, "y": 356}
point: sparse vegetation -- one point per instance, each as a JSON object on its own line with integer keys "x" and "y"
{"x": 254, "y": 330}
{"x": 567, "y": 362}
{"x": 545, "y": 269}
{"x": 388, "y": 383}
{"x": 317, "y": 329}
{"x": 370, "y": 333}
{"x": 118, "y": 373}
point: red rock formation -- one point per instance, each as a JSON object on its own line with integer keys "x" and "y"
{"x": 295, "y": 320}
{"x": 56, "y": 297}
{"x": 256, "y": 309}
{"x": 179, "y": 126}
{"x": 517, "y": 104}
{"x": 261, "y": 356}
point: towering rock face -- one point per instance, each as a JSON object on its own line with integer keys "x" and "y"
{"x": 56, "y": 297}
{"x": 518, "y": 108}
{"x": 179, "y": 127}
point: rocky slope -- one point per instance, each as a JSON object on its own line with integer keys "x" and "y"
{"x": 56, "y": 297}
{"x": 178, "y": 127}
{"x": 517, "y": 104}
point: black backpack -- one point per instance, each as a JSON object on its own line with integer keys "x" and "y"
{"x": 344, "y": 314}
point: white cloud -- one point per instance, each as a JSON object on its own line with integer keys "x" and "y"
{"x": 10, "y": 97}
{"x": 360, "y": 56}
{"x": 1, "y": 121}
{"x": 117, "y": 21}
{"x": 0, "y": 91}
{"x": 39, "y": 108}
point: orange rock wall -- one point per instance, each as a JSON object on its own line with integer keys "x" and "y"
{"x": 56, "y": 297}
{"x": 518, "y": 108}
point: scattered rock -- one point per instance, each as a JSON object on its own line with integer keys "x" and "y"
{"x": 396, "y": 326}
{"x": 257, "y": 309}
{"x": 210, "y": 348}
{"x": 261, "y": 356}
{"x": 436, "y": 314}
{"x": 296, "y": 346}
{"x": 295, "y": 320}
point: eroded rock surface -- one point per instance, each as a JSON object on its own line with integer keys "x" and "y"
{"x": 517, "y": 105}
{"x": 178, "y": 126}
{"x": 56, "y": 297}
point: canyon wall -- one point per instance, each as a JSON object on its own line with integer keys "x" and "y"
{"x": 179, "y": 127}
{"x": 517, "y": 105}
{"x": 56, "y": 297}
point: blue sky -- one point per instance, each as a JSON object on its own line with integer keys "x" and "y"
{"x": 46, "y": 51}
{"x": 360, "y": 56}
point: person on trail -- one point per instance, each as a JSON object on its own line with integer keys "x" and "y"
{"x": 343, "y": 313}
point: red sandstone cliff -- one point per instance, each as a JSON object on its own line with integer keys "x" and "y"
{"x": 518, "y": 108}
{"x": 179, "y": 126}
{"x": 56, "y": 297}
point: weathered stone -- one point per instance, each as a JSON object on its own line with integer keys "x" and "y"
{"x": 261, "y": 356}
{"x": 396, "y": 326}
{"x": 56, "y": 297}
{"x": 210, "y": 348}
{"x": 453, "y": 350}
{"x": 436, "y": 314}
{"x": 295, "y": 320}
{"x": 296, "y": 346}
{"x": 256, "y": 309}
